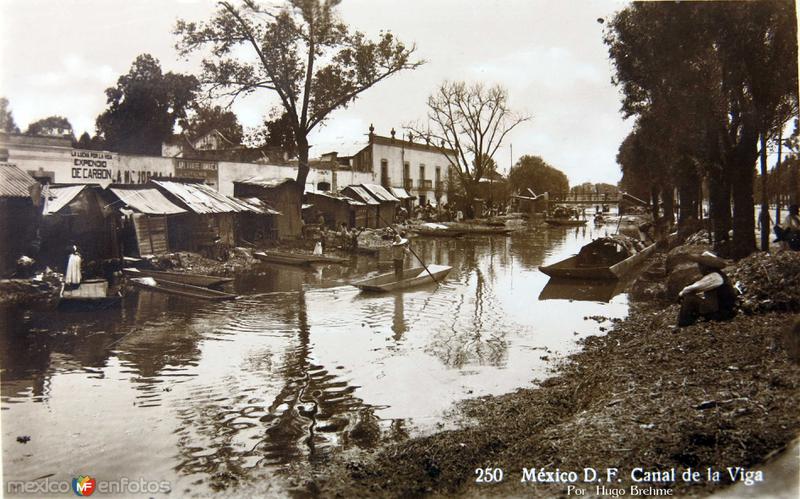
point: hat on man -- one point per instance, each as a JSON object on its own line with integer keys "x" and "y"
{"x": 710, "y": 260}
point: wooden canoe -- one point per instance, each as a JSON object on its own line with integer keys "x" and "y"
{"x": 180, "y": 289}
{"x": 283, "y": 257}
{"x": 411, "y": 277}
{"x": 471, "y": 229}
{"x": 288, "y": 258}
{"x": 580, "y": 290}
{"x": 564, "y": 222}
{"x": 184, "y": 278}
{"x": 568, "y": 269}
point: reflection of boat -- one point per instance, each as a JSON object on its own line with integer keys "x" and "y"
{"x": 576, "y": 289}
{"x": 180, "y": 289}
{"x": 569, "y": 267}
{"x": 411, "y": 277}
{"x": 184, "y": 278}
{"x": 288, "y": 258}
{"x": 91, "y": 294}
{"x": 564, "y": 222}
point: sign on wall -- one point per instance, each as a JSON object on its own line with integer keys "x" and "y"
{"x": 92, "y": 167}
{"x": 208, "y": 171}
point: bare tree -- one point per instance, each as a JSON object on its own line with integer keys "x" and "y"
{"x": 472, "y": 121}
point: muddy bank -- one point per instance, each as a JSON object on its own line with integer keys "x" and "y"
{"x": 646, "y": 395}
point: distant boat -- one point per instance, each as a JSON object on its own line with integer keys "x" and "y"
{"x": 91, "y": 294}
{"x": 569, "y": 268}
{"x": 180, "y": 289}
{"x": 436, "y": 230}
{"x": 181, "y": 277}
{"x": 564, "y": 222}
{"x": 288, "y": 258}
{"x": 411, "y": 277}
{"x": 468, "y": 228}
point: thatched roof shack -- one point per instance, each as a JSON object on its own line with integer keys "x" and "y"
{"x": 211, "y": 217}
{"x": 337, "y": 209}
{"x": 282, "y": 195}
{"x": 145, "y": 227}
{"x": 18, "y": 215}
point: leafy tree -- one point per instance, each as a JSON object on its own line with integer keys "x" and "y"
{"x": 208, "y": 118}
{"x": 277, "y": 132}
{"x": 7, "y": 123}
{"x": 52, "y": 125}
{"x": 86, "y": 141}
{"x": 301, "y": 51}
{"x": 709, "y": 92}
{"x": 532, "y": 172}
{"x": 144, "y": 106}
{"x": 471, "y": 121}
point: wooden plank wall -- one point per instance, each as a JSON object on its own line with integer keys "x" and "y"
{"x": 151, "y": 234}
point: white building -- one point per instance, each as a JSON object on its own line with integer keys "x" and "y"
{"x": 420, "y": 168}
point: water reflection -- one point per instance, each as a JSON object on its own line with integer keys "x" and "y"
{"x": 301, "y": 365}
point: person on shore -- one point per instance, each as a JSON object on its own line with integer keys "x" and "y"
{"x": 399, "y": 250}
{"x": 789, "y": 231}
{"x": 72, "y": 277}
{"x": 711, "y": 297}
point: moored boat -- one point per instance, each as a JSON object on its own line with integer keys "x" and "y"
{"x": 283, "y": 257}
{"x": 411, "y": 277}
{"x": 184, "y": 278}
{"x": 289, "y": 258}
{"x": 471, "y": 229}
{"x": 181, "y": 289}
{"x": 571, "y": 268}
{"x": 436, "y": 230}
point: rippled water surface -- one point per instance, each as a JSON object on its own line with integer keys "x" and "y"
{"x": 201, "y": 393}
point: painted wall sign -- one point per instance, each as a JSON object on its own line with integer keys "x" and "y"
{"x": 92, "y": 167}
{"x": 199, "y": 169}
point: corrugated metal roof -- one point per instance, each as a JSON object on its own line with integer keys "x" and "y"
{"x": 362, "y": 194}
{"x": 260, "y": 205}
{"x": 55, "y": 198}
{"x": 14, "y": 183}
{"x": 201, "y": 198}
{"x": 147, "y": 200}
{"x": 379, "y": 192}
{"x": 349, "y": 201}
{"x": 401, "y": 193}
{"x": 264, "y": 182}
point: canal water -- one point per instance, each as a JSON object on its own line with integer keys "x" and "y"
{"x": 204, "y": 394}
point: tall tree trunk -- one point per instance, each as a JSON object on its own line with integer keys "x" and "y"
{"x": 668, "y": 198}
{"x": 763, "y": 216}
{"x": 777, "y": 175}
{"x": 742, "y": 180}
{"x": 719, "y": 200}
{"x": 688, "y": 192}
{"x": 654, "y": 201}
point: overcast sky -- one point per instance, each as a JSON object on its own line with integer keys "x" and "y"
{"x": 58, "y": 56}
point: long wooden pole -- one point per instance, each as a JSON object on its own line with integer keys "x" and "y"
{"x": 410, "y": 249}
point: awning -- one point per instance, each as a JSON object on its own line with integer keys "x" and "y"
{"x": 56, "y": 198}
{"x": 14, "y": 183}
{"x": 202, "y": 199}
{"x": 147, "y": 200}
{"x": 401, "y": 193}
{"x": 380, "y": 193}
{"x": 264, "y": 182}
{"x": 362, "y": 194}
